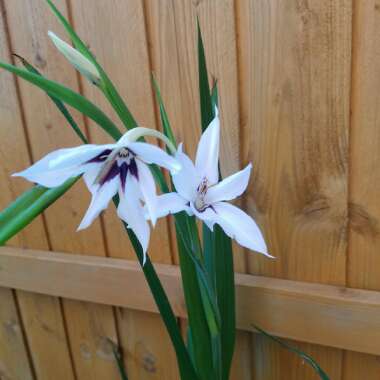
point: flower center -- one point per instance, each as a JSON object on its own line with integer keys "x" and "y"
{"x": 200, "y": 203}
{"x": 124, "y": 155}
{"x": 115, "y": 163}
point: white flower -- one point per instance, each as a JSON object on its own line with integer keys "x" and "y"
{"x": 199, "y": 193}
{"x": 109, "y": 169}
{"x": 77, "y": 59}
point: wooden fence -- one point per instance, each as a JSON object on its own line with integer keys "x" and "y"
{"x": 298, "y": 86}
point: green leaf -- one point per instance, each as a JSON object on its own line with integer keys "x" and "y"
{"x": 78, "y": 44}
{"x": 199, "y": 329}
{"x": 207, "y": 113}
{"x": 68, "y": 96}
{"x": 308, "y": 359}
{"x": 106, "y": 84}
{"x": 21, "y": 203}
{"x": 214, "y": 95}
{"x": 204, "y": 319}
{"x": 225, "y": 290}
{"x": 65, "y": 112}
{"x": 217, "y": 245}
{"x": 163, "y": 114}
{"x": 119, "y": 359}
{"x": 32, "y": 203}
{"x": 186, "y": 368}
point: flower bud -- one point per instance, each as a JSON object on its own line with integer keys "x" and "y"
{"x": 77, "y": 59}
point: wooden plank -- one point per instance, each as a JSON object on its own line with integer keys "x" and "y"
{"x": 328, "y": 315}
{"x": 87, "y": 325}
{"x": 364, "y": 238}
{"x": 116, "y": 34}
{"x": 14, "y": 361}
{"x": 41, "y": 315}
{"x": 295, "y": 81}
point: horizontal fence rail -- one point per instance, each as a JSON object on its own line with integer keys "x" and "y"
{"x": 322, "y": 314}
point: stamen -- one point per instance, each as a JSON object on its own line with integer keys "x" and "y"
{"x": 200, "y": 203}
{"x": 124, "y": 153}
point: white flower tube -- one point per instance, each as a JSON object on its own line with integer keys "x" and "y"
{"x": 77, "y": 59}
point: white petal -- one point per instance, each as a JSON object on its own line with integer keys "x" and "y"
{"x": 77, "y": 59}
{"x": 131, "y": 211}
{"x": 169, "y": 203}
{"x": 240, "y": 226}
{"x": 148, "y": 189}
{"x": 58, "y": 166}
{"x": 99, "y": 201}
{"x": 208, "y": 215}
{"x": 207, "y": 157}
{"x": 90, "y": 175}
{"x": 230, "y": 188}
{"x": 76, "y": 156}
{"x": 153, "y": 155}
{"x": 187, "y": 179}
{"x": 50, "y": 178}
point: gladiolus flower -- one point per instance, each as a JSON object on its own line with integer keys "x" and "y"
{"x": 109, "y": 169}
{"x": 200, "y": 193}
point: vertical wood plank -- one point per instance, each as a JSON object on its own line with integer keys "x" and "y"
{"x": 88, "y": 325}
{"x": 295, "y": 81}
{"x": 41, "y": 315}
{"x": 116, "y": 34}
{"x": 14, "y": 361}
{"x": 364, "y": 238}
{"x": 173, "y": 47}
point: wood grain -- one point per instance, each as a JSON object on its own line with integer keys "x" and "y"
{"x": 14, "y": 361}
{"x": 295, "y": 60}
{"x": 364, "y": 238}
{"x": 327, "y": 315}
{"x": 41, "y": 315}
{"x": 47, "y": 130}
{"x": 115, "y": 31}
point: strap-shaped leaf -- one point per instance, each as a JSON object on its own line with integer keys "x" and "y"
{"x": 68, "y": 96}
{"x": 207, "y": 113}
{"x": 24, "y": 209}
{"x": 163, "y": 114}
{"x": 217, "y": 245}
{"x": 65, "y": 112}
{"x": 308, "y": 359}
{"x": 21, "y": 203}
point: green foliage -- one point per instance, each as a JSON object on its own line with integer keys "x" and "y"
{"x": 65, "y": 112}
{"x": 217, "y": 245}
{"x": 67, "y": 96}
{"x": 27, "y": 207}
{"x": 308, "y": 359}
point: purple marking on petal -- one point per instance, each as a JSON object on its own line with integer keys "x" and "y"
{"x": 112, "y": 173}
{"x": 101, "y": 157}
{"x": 123, "y": 174}
{"x": 133, "y": 168}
